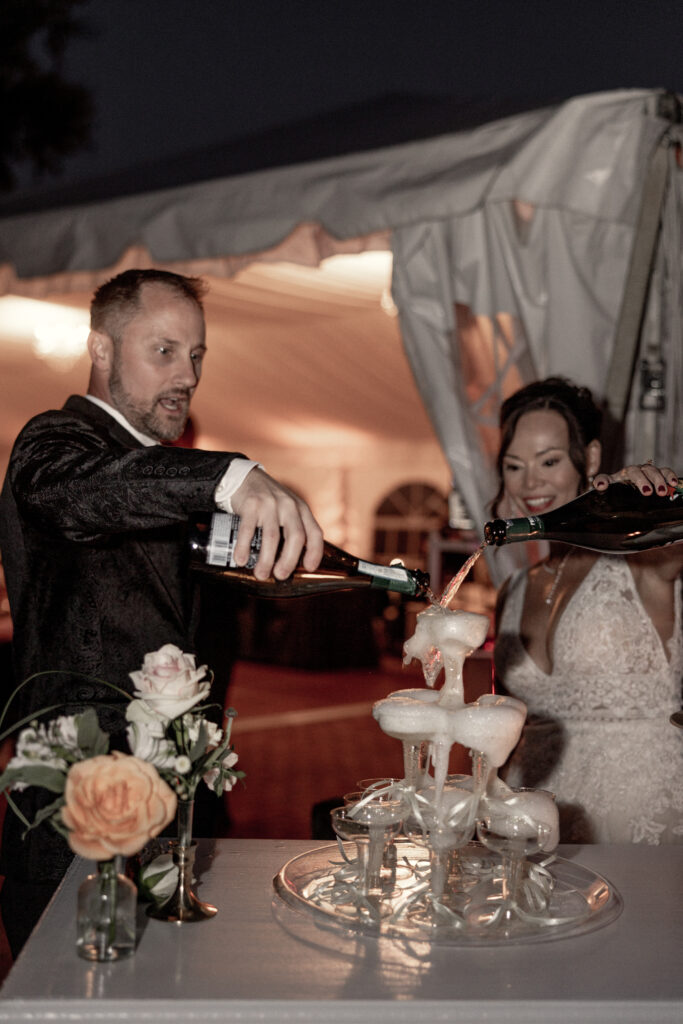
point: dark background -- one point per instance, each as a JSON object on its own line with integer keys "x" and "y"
{"x": 183, "y": 89}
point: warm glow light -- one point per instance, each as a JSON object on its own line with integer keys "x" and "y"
{"x": 60, "y": 341}
{"x": 55, "y": 332}
{"x": 387, "y": 303}
{"x": 372, "y": 269}
{"x": 313, "y": 433}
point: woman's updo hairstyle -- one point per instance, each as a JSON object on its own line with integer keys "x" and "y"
{"x": 575, "y": 405}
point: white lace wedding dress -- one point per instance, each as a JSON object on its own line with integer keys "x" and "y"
{"x": 598, "y": 734}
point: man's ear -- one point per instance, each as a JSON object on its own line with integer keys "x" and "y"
{"x": 593, "y": 456}
{"x": 100, "y": 349}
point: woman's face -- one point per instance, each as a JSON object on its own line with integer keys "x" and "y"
{"x": 538, "y": 473}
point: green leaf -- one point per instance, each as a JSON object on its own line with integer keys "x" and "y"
{"x": 35, "y": 775}
{"x": 45, "y": 813}
{"x": 199, "y": 746}
{"x": 90, "y": 737}
{"x": 53, "y": 707}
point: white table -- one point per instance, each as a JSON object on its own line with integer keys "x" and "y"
{"x": 259, "y": 960}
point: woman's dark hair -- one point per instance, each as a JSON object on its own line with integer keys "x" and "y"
{"x": 575, "y": 405}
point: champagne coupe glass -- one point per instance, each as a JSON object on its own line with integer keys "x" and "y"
{"x": 443, "y": 830}
{"x": 514, "y": 838}
{"x": 461, "y": 805}
{"x": 371, "y": 827}
{"x": 379, "y": 807}
{"x": 380, "y": 783}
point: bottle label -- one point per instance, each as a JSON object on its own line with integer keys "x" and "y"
{"x": 523, "y": 528}
{"x": 222, "y": 540}
{"x": 386, "y": 574}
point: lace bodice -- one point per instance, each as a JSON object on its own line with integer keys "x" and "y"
{"x": 598, "y": 734}
{"x": 608, "y": 659}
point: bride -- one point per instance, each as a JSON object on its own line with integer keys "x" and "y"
{"x": 593, "y": 644}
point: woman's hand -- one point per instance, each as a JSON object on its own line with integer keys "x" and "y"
{"x": 648, "y": 478}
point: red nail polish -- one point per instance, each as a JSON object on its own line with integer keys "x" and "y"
{"x": 647, "y": 489}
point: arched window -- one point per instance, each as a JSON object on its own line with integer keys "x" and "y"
{"x": 403, "y": 521}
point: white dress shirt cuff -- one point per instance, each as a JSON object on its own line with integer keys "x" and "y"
{"x": 232, "y": 479}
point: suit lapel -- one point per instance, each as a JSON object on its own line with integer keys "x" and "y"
{"x": 154, "y": 552}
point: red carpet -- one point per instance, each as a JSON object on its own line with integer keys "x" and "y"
{"x": 303, "y": 737}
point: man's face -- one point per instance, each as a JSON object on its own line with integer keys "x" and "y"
{"x": 157, "y": 363}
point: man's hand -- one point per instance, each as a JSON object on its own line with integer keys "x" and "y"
{"x": 262, "y": 501}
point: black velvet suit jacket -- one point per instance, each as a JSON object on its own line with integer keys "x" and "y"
{"x": 92, "y": 531}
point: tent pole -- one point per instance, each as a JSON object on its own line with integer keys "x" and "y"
{"x": 631, "y": 315}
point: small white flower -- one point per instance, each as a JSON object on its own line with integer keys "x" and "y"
{"x": 214, "y": 734}
{"x": 34, "y": 745}
{"x": 182, "y": 765}
{"x": 222, "y": 769}
{"x": 63, "y": 732}
{"x": 230, "y": 760}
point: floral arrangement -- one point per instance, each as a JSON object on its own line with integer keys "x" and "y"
{"x": 183, "y": 744}
{"x": 109, "y": 804}
{"x": 105, "y": 804}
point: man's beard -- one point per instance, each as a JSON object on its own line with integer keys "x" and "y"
{"x": 148, "y": 420}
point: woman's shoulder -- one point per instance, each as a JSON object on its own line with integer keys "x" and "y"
{"x": 665, "y": 563}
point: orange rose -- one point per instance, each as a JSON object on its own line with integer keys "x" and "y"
{"x": 115, "y": 803}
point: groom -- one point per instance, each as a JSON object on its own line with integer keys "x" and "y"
{"x": 93, "y": 519}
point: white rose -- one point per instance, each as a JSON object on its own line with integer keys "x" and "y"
{"x": 169, "y": 682}
{"x": 146, "y": 736}
{"x": 140, "y": 713}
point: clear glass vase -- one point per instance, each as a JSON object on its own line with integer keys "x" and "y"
{"x": 105, "y": 920}
{"x": 182, "y": 905}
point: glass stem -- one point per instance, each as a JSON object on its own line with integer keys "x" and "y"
{"x": 512, "y": 867}
{"x": 415, "y": 757}
{"x": 438, "y": 871}
{"x": 363, "y": 856}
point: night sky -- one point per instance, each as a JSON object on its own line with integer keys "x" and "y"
{"x": 172, "y": 76}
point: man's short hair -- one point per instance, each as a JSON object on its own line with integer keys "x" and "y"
{"x": 116, "y": 301}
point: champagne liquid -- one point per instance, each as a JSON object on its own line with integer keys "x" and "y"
{"x": 455, "y": 584}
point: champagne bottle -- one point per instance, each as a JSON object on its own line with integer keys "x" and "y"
{"x": 619, "y": 519}
{"x": 212, "y": 543}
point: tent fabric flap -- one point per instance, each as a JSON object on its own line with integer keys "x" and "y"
{"x": 348, "y": 196}
{"x": 531, "y": 282}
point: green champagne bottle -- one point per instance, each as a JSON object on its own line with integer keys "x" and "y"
{"x": 212, "y": 544}
{"x": 619, "y": 519}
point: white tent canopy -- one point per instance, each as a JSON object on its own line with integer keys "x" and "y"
{"x": 512, "y": 245}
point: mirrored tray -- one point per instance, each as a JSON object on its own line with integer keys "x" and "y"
{"x": 581, "y": 900}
